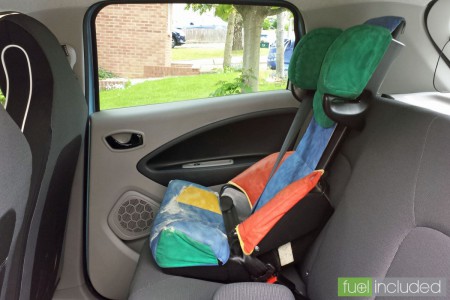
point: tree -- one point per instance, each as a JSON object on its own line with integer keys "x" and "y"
{"x": 237, "y": 36}
{"x": 253, "y": 17}
{"x": 227, "y": 13}
{"x": 280, "y": 45}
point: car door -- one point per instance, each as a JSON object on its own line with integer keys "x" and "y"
{"x": 134, "y": 151}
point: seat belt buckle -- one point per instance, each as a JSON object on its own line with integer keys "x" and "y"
{"x": 270, "y": 270}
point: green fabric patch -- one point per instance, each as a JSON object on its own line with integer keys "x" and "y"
{"x": 319, "y": 113}
{"x": 306, "y": 61}
{"x": 349, "y": 64}
{"x": 176, "y": 249}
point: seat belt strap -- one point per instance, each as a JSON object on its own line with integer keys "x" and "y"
{"x": 297, "y": 123}
{"x": 332, "y": 147}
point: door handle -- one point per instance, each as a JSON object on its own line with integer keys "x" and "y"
{"x": 125, "y": 141}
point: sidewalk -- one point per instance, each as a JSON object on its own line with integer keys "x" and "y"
{"x": 208, "y": 65}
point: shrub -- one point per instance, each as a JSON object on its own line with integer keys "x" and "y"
{"x": 237, "y": 86}
{"x": 104, "y": 74}
{"x": 2, "y": 99}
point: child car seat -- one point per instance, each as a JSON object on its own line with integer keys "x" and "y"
{"x": 189, "y": 231}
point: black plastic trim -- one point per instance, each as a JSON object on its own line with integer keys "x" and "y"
{"x": 244, "y": 139}
{"x": 347, "y": 112}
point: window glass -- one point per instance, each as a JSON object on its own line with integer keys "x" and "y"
{"x": 158, "y": 53}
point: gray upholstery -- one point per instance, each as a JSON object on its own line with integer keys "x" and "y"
{"x": 395, "y": 203}
{"x": 15, "y": 175}
{"x": 54, "y": 128}
{"x": 253, "y": 291}
{"x": 390, "y": 188}
{"x": 151, "y": 283}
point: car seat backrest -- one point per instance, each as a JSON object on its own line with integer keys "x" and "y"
{"x": 15, "y": 174}
{"x": 389, "y": 187}
{"x": 45, "y": 100}
{"x": 395, "y": 24}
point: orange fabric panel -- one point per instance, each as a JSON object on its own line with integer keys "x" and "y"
{"x": 255, "y": 228}
{"x": 253, "y": 180}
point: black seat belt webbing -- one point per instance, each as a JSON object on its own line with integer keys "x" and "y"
{"x": 299, "y": 119}
{"x": 332, "y": 147}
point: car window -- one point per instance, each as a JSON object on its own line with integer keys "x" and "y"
{"x": 158, "y": 53}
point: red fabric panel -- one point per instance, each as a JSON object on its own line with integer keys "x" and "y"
{"x": 253, "y": 180}
{"x": 255, "y": 228}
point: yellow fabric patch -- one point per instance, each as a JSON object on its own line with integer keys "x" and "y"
{"x": 200, "y": 198}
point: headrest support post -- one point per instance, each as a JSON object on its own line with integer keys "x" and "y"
{"x": 299, "y": 93}
{"x": 347, "y": 112}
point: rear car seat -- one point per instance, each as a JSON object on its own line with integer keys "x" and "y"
{"x": 389, "y": 187}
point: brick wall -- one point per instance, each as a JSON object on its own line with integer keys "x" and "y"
{"x": 131, "y": 36}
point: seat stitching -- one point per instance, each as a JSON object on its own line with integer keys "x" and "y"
{"x": 434, "y": 229}
{"x": 395, "y": 252}
{"x": 414, "y": 194}
{"x": 419, "y": 168}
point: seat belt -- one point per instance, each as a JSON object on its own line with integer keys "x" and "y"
{"x": 302, "y": 114}
{"x": 299, "y": 119}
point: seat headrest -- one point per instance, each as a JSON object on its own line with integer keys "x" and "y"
{"x": 349, "y": 65}
{"x": 25, "y": 74}
{"x": 308, "y": 55}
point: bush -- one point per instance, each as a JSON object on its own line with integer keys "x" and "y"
{"x": 104, "y": 74}
{"x": 236, "y": 86}
{"x": 2, "y": 99}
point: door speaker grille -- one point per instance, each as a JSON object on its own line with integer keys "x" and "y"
{"x": 132, "y": 216}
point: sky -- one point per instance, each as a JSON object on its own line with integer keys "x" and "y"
{"x": 184, "y": 18}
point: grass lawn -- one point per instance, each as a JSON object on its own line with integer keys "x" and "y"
{"x": 181, "y": 53}
{"x": 173, "y": 89}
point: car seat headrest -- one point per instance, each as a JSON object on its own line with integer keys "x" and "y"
{"x": 396, "y": 25}
{"x": 349, "y": 65}
{"x": 307, "y": 58}
{"x": 25, "y": 75}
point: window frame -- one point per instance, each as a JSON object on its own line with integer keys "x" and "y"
{"x": 92, "y": 90}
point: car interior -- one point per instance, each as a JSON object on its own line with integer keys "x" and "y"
{"x": 218, "y": 165}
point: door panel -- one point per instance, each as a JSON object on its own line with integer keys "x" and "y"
{"x": 209, "y": 132}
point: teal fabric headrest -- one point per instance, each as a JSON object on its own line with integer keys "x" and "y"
{"x": 306, "y": 61}
{"x": 349, "y": 64}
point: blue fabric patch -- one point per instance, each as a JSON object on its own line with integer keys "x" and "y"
{"x": 301, "y": 163}
{"x": 389, "y": 22}
{"x": 201, "y": 225}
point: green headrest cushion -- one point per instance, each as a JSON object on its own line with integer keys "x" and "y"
{"x": 349, "y": 64}
{"x": 308, "y": 55}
